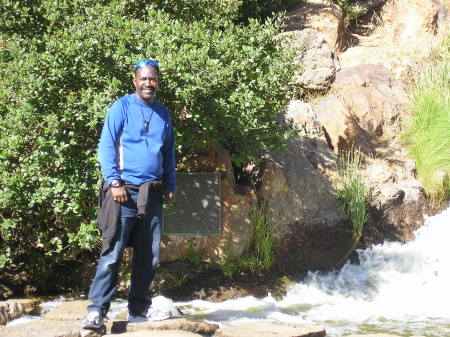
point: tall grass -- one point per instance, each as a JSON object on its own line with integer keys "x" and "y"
{"x": 427, "y": 136}
{"x": 351, "y": 192}
{"x": 259, "y": 256}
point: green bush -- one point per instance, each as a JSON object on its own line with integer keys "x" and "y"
{"x": 64, "y": 62}
{"x": 427, "y": 136}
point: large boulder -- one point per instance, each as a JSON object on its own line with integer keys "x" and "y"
{"x": 340, "y": 128}
{"x": 310, "y": 231}
{"x": 366, "y": 99}
{"x": 237, "y": 202}
{"x": 321, "y": 15}
{"x": 372, "y": 95}
{"x": 319, "y": 62}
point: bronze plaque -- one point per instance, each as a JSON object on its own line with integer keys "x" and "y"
{"x": 196, "y": 209}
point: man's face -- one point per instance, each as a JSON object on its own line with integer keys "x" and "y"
{"x": 146, "y": 82}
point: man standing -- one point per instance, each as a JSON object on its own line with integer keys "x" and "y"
{"x": 137, "y": 158}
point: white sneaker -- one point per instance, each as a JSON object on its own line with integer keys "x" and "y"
{"x": 93, "y": 321}
{"x": 152, "y": 315}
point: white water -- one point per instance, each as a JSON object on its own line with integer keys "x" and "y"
{"x": 396, "y": 288}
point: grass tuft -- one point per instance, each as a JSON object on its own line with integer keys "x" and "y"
{"x": 351, "y": 192}
{"x": 260, "y": 253}
{"x": 427, "y": 136}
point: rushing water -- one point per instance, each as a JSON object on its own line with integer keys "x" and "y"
{"x": 395, "y": 288}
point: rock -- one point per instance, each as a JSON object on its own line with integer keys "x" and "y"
{"x": 28, "y": 304}
{"x": 321, "y": 15}
{"x": 69, "y": 311}
{"x": 184, "y": 324}
{"x": 407, "y": 31}
{"x": 168, "y": 333}
{"x": 10, "y": 311}
{"x": 371, "y": 93}
{"x": 397, "y": 200}
{"x": 341, "y": 129}
{"x": 45, "y": 328}
{"x": 271, "y": 329}
{"x": 377, "y": 335}
{"x": 366, "y": 103}
{"x": 302, "y": 212}
{"x": 319, "y": 61}
{"x": 304, "y": 119}
{"x": 237, "y": 202}
{"x": 5, "y": 292}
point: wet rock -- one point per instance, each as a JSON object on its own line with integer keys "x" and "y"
{"x": 271, "y": 329}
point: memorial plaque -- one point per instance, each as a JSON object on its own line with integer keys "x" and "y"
{"x": 196, "y": 209}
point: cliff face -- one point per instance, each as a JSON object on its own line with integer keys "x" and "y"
{"x": 359, "y": 83}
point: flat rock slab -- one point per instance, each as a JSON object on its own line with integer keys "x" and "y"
{"x": 184, "y": 324}
{"x": 268, "y": 329}
{"x": 43, "y": 328}
{"x": 68, "y": 311}
{"x": 164, "y": 333}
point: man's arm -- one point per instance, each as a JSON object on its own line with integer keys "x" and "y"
{"x": 112, "y": 129}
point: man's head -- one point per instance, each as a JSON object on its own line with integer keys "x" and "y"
{"x": 146, "y": 80}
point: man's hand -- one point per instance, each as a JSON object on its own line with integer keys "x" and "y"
{"x": 119, "y": 194}
{"x": 169, "y": 197}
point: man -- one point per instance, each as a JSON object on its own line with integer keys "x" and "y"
{"x": 137, "y": 158}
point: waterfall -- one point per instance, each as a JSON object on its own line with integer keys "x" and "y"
{"x": 395, "y": 288}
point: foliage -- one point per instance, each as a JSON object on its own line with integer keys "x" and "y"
{"x": 350, "y": 11}
{"x": 195, "y": 255}
{"x": 260, "y": 9}
{"x": 351, "y": 192}
{"x": 427, "y": 136}
{"x": 260, "y": 253}
{"x": 64, "y": 62}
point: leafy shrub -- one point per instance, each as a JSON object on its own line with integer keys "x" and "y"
{"x": 64, "y": 62}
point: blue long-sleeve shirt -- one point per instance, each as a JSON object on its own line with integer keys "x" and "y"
{"x": 137, "y": 143}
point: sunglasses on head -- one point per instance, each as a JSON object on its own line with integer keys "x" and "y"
{"x": 144, "y": 63}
